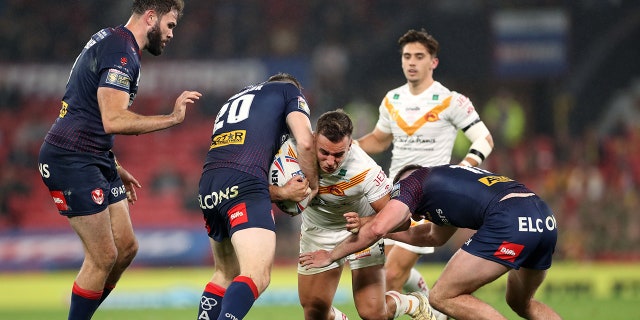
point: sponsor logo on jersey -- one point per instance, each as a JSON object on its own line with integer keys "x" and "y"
{"x": 228, "y": 138}
{"x": 59, "y": 200}
{"x": 123, "y": 61}
{"x": 238, "y": 215}
{"x": 97, "y": 195}
{"x": 395, "y": 191}
{"x": 435, "y": 97}
{"x": 63, "y": 109}
{"x": 338, "y": 189}
{"x": 303, "y": 105}
{"x": 440, "y": 214}
{"x": 508, "y": 251}
{"x": 491, "y": 180}
{"x": 118, "y": 78}
{"x": 431, "y": 116}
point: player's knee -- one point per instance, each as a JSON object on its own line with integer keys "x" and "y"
{"x": 130, "y": 250}
{"x": 261, "y": 282}
{"x": 316, "y": 309}
{"x": 371, "y": 313}
{"x": 518, "y": 305}
{"x": 436, "y": 299}
{"x": 106, "y": 259}
{"x": 393, "y": 272}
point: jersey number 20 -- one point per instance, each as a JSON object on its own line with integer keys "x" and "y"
{"x": 238, "y": 110}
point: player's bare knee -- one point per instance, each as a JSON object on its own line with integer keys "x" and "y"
{"x": 106, "y": 259}
{"x": 518, "y": 305}
{"x": 371, "y": 313}
{"x": 315, "y": 308}
{"x": 436, "y": 299}
{"x": 261, "y": 282}
{"x": 130, "y": 251}
{"x": 392, "y": 272}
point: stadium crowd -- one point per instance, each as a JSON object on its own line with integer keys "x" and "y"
{"x": 590, "y": 176}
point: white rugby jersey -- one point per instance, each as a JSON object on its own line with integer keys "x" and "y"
{"x": 424, "y": 126}
{"x": 357, "y": 183}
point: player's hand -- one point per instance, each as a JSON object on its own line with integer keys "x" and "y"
{"x": 353, "y": 222}
{"x": 296, "y": 189}
{"x": 315, "y": 259}
{"x": 180, "y": 108}
{"x": 130, "y": 183}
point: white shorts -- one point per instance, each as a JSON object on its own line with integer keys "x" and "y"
{"x": 315, "y": 238}
{"x": 412, "y": 248}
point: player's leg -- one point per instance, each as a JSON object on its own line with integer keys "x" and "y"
{"x": 401, "y": 260}
{"x": 255, "y": 249}
{"x": 398, "y": 267}
{"x": 415, "y": 305}
{"x": 521, "y": 288}
{"x": 226, "y": 268}
{"x": 463, "y": 275}
{"x": 100, "y": 254}
{"x": 316, "y": 292}
{"x": 368, "y": 282}
{"x": 125, "y": 241}
{"x": 368, "y": 285}
{"x": 415, "y": 282}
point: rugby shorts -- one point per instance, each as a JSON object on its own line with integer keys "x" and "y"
{"x": 412, "y": 248}
{"x": 314, "y": 238}
{"x": 517, "y": 232}
{"x": 80, "y": 183}
{"x": 233, "y": 200}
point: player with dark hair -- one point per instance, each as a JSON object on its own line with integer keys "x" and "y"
{"x": 516, "y": 234}
{"x": 234, "y": 189}
{"x": 349, "y": 181}
{"x": 86, "y": 182}
{"x": 422, "y": 118}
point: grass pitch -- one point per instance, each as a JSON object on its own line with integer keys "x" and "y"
{"x": 576, "y": 291}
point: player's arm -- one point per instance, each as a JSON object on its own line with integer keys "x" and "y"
{"x": 296, "y": 189}
{"x": 424, "y": 235}
{"x": 481, "y": 143}
{"x": 354, "y": 221}
{"x": 375, "y": 142}
{"x": 300, "y": 127}
{"x": 394, "y": 215}
{"x": 118, "y": 119}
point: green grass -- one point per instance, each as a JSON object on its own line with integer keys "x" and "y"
{"x": 576, "y": 291}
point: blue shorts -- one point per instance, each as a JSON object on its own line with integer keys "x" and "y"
{"x": 80, "y": 183}
{"x": 517, "y": 232}
{"x": 233, "y": 200}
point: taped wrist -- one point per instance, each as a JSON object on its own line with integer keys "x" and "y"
{"x": 480, "y": 148}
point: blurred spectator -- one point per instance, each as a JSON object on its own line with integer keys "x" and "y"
{"x": 505, "y": 118}
{"x": 330, "y": 65}
{"x": 11, "y": 185}
{"x": 167, "y": 181}
{"x": 623, "y": 113}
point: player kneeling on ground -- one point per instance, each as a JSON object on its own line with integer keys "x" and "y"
{"x": 349, "y": 181}
{"x": 516, "y": 234}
